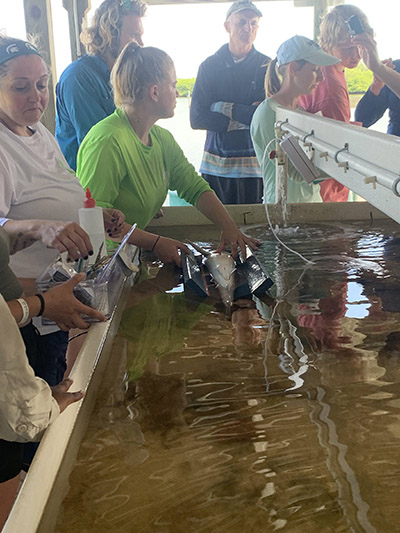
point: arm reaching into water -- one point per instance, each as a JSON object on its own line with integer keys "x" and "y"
{"x": 166, "y": 249}
{"x": 214, "y": 210}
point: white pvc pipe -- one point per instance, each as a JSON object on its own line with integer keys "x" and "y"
{"x": 387, "y": 179}
{"x": 367, "y": 162}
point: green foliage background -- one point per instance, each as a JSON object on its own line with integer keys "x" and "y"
{"x": 358, "y": 81}
{"x": 185, "y": 85}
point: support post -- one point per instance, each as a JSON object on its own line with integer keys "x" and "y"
{"x": 39, "y": 23}
{"x": 76, "y": 12}
{"x": 320, "y": 8}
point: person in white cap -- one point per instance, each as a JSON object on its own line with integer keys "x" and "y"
{"x": 228, "y": 89}
{"x": 296, "y": 70}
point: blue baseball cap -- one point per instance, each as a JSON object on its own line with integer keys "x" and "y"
{"x": 299, "y": 47}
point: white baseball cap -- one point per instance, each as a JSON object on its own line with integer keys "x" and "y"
{"x": 241, "y": 5}
{"x": 299, "y": 47}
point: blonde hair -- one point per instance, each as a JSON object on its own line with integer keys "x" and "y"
{"x": 274, "y": 75}
{"x": 104, "y": 32}
{"x": 333, "y": 28}
{"x": 135, "y": 70}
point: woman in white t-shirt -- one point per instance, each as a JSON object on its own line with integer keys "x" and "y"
{"x": 36, "y": 183}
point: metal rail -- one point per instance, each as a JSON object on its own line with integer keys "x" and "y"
{"x": 367, "y": 162}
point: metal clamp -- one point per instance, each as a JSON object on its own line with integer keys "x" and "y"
{"x": 342, "y": 164}
{"x": 308, "y": 135}
{"x": 279, "y": 125}
{"x": 394, "y": 186}
{"x": 344, "y": 149}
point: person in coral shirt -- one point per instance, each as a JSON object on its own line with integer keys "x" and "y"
{"x": 331, "y": 97}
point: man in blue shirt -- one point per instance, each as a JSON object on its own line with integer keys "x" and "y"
{"x": 228, "y": 89}
{"x": 84, "y": 95}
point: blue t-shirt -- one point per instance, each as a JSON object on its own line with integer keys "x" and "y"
{"x": 84, "y": 97}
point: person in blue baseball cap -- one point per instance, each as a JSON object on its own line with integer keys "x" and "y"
{"x": 296, "y": 70}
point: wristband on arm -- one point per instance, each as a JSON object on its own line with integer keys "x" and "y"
{"x": 25, "y": 311}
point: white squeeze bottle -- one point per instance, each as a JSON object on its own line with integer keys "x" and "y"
{"x": 91, "y": 220}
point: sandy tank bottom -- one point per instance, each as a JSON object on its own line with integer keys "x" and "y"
{"x": 283, "y": 417}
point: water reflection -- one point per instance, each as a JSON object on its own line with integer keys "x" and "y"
{"x": 285, "y": 417}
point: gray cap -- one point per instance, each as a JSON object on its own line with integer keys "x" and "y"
{"x": 241, "y": 5}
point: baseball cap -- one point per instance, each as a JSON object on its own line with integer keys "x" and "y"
{"x": 299, "y": 47}
{"x": 240, "y": 5}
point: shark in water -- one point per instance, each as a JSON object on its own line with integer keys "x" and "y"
{"x": 222, "y": 267}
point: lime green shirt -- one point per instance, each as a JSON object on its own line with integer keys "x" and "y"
{"x": 123, "y": 173}
{"x": 262, "y": 132}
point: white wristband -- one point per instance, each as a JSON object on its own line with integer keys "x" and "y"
{"x": 25, "y": 310}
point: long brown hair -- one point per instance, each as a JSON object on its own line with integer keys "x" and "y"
{"x": 274, "y": 75}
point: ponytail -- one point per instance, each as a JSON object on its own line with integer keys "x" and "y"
{"x": 272, "y": 80}
{"x": 274, "y": 74}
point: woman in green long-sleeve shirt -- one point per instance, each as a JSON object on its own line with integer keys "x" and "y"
{"x": 129, "y": 162}
{"x": 122, "y": 171}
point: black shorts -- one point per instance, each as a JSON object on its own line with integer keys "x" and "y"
{"x": 11, "y": 457}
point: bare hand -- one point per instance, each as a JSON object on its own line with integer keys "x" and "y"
{"x": 64, "y": 237}
{"x": 65, "y": 309}
{"x": 235, "y": 239}
{"x": 63, "y": 397}
{"x": 113, "y": 222}
{"x": 389, "y": 63}
{"x": 368, "y": 49}
{"x": 167, "y": 250}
